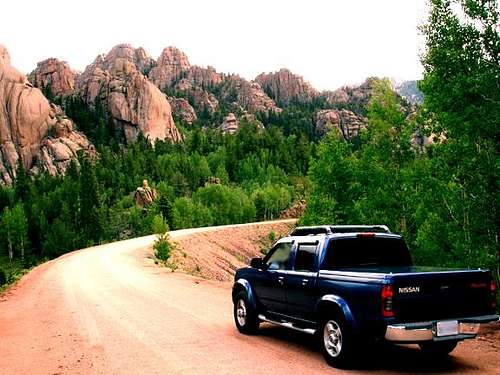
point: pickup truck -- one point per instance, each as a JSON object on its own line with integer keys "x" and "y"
{"x": 350, "y": 285}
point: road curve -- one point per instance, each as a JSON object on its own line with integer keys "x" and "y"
{"x": 110, "y": 310}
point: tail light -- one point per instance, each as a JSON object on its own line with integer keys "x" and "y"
{"x": 493, "y": 289}
{"x": 387, "y": 293}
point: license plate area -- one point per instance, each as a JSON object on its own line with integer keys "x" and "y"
{"x": 447, "y": 328}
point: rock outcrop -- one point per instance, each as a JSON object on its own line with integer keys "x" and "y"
{"x": 169, "y": 68}
{"x": 204, "y": 77}
{"x": 173, "y": 66}
{"x": 32, "y": 131}
{"x": 348, "y": 123}
{"x": 230, "y": 125}
{"x": 117, "y": 82}
{"x": 55, "y": 76}
{"x": 286, "y": 88}
{"x": 202, "y": 100}
{"x": 144, "y": 195}
{"x": 182, "y": 110}
{"x": 358, "y": 95}
{"x": 247, "y": 94}
{"x": 173, "y": 73}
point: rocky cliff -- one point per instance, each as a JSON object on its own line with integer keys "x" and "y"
{"x": 173, "y": 73}
{"x": 132, "y": 87}
{"x": 346, "y": 122}
{"x": 182, "y": 110}
{"x": 135, "y": 105}
{"x": 248, "y": 95}
{"x": 54, "y": 75}
{"x": 286, "y": 88}
{"x": 169, "y": 68}
{"x": 356, "y": 95}
{"x": 32, "y": 131}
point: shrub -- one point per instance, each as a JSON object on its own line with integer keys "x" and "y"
{"x": 162, "y": 247}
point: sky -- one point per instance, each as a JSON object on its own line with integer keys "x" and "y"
{"x": 330, "y": 43}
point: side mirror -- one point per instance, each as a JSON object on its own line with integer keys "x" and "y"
{"x": 256, "y": 263}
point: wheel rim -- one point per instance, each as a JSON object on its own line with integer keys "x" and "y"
{"x": 332, "y": 337}
{"x": 241, "y": 312}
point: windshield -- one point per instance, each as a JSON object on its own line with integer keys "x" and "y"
{"x": 359, "y": 252}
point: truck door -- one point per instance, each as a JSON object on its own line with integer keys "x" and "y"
{"x": 269, "y": 283}
{"x": 301, "y": 282}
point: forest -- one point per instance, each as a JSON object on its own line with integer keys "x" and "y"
{"x": 443, "y": 197}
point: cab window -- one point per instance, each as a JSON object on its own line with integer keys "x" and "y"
{"x": 280, "y": 256}
{"x": 306, "y": 255}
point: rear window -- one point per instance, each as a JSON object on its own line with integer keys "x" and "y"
{"x": 366, "y": 252}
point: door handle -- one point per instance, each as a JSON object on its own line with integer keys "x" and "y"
{"x": 305, "y": 281}
{"x": 281, "y": 280}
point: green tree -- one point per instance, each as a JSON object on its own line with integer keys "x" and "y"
{"x": 14, "y": 228}
{"x": 228, "y": 205}
{"x": 89, "y": 202}
{"x": 189, "y": 214}
{"x": 462, "y": 103}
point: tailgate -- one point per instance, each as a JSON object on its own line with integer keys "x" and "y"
{"x": 441, "y": 295}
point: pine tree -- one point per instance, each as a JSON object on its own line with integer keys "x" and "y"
{"x": 22, "y": 183}
{"x": 89, "y": 201}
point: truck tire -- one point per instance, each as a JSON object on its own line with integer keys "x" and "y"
{"x": 438, "y": 349}
{"x": 336, "y": 341}
{"x": 245, "y": 316}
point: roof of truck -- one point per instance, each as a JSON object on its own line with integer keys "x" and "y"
{"x": 337, "y": 229}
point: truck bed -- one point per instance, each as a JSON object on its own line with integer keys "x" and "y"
{"x": 427, "y": 293}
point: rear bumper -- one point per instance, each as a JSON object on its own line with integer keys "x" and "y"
{"x": 427, "y": 331}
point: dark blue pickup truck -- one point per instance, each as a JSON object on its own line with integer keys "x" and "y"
{"x": 355, "y": 284}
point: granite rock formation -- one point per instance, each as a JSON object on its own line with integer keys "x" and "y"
{"x": 346, "y": 122}
{"x": 182, "y": 110}
{"x": 358, "y": 95}
{"x": 230, "y": 125}
{"x": 55, "y": 76}
{"x": 32, "y": 131}
{"x": 144, "y": 195}
{"x": 248, "y": 95}
{"x": 286, "y": 88}
{"x": 136, "y": 106}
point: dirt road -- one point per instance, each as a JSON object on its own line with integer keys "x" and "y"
{"x": 111, "y": 310}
